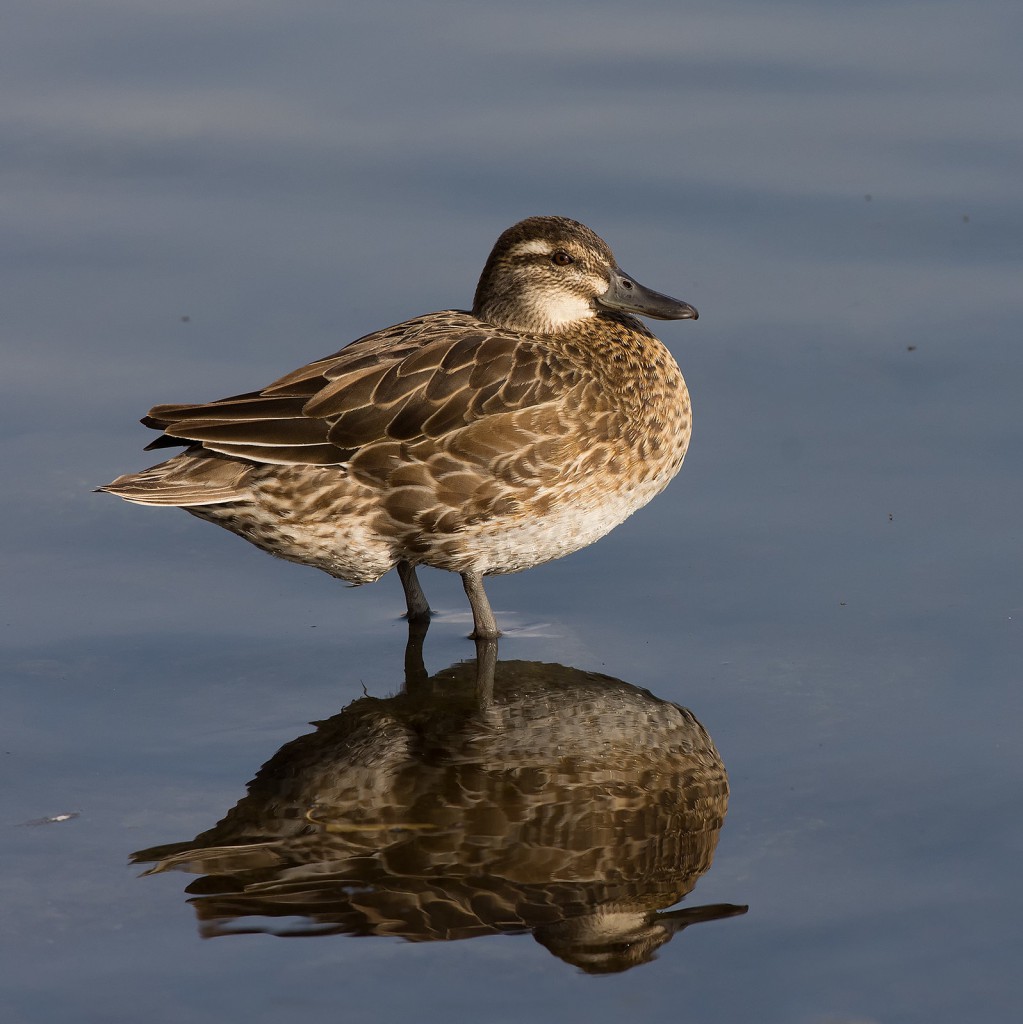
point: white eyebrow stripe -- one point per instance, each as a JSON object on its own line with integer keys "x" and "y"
{"x": 532, "y": 247}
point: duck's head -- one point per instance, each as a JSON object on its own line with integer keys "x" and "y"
{"x": 546, "y": 274}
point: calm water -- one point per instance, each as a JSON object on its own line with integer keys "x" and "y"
{"x": 198, "y": 198}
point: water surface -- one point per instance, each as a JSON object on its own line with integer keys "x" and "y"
{"x": 198, "y": 199}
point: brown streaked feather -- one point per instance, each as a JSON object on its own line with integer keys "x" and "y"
{"x": 357, "y": 427}
{"x": 408, "y": 424}
{"x": 303, "y": 455}
{"x": 251, "y": 406}
{"x": 373, "y": 465}
{"x": 444, "y": 384}
{"x": 396, "y": 386}
{"x": 486, "y": 399}
{"x": 293, "y": 430}
{"x": 449, "y": 416}
{"x": 462, "y": 352}
{"x": 494, "y": 364}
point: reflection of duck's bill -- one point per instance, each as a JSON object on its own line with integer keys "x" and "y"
{"x": 685, "y": 916}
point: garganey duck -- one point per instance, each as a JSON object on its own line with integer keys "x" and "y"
{"x": 481, "y": 443}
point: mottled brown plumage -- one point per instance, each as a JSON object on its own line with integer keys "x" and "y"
{"x": 483, "y": 442}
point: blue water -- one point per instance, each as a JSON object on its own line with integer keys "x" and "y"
{"x": 198, "y": 198}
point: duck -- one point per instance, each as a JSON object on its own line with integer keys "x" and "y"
{"x": 480, "y": 442}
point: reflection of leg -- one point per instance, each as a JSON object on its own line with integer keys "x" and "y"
{"x": 484, "y": 623}
{"x": 415, "y": 599}
{"x": 486, "y": 663}
{"x": 415, "y": 667}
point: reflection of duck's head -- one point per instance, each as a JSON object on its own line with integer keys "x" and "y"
{"x": 612, "y": 939}
{"x": 572, "y": 805}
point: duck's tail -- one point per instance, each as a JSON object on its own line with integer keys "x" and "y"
{"x": 196, "y": 477}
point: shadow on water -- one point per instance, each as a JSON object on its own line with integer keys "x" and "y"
{"x": 490, "y": 798}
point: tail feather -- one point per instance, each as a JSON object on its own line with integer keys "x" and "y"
{"x": 199, "y": 478}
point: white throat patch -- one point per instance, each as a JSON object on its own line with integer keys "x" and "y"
{"x": 566, "y": 308}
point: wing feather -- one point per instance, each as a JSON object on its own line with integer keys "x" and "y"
{"x": 419, "y": 381}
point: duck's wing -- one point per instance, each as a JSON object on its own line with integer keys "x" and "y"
{"x": 417, "y": 381}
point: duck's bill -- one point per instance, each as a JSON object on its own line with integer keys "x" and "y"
{"x": 627, "y": 295}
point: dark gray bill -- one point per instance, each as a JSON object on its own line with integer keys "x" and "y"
{"x": 628, "y": 296}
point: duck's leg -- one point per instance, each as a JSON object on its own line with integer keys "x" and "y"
{"x": 484, "y": 623}
{"x": 415, "y": 599}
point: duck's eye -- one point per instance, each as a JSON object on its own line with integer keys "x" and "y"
{"x": 561, "y": 258}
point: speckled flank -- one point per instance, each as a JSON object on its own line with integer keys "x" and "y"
{"x": 484, "y": 442}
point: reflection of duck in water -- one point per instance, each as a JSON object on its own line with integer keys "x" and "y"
{"x": 571, "y": 805}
